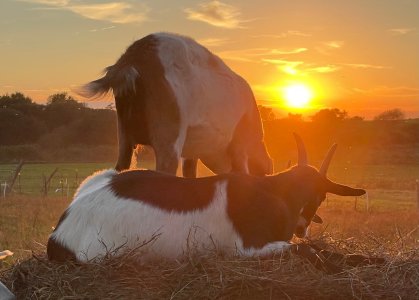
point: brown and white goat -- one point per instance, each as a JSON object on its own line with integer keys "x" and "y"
{"x": 175, "y": 95}
{"x": 114, "y": 212}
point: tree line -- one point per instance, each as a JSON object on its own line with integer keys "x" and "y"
{"x": 61, "y": 129}
{"x": 65, "y": 129}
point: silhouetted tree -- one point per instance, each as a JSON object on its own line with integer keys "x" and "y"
{"x": 266, "y": 113}
{"x": 390, "y": 115}
{"x": 62, "y": 109}
{"x": 295, "y": 117}
{"x": 329, "y": 115}
{"x": 356, "y": 118}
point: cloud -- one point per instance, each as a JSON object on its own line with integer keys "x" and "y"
{"x": 366, "y": 66}
{"x": 283, "y": 34}
{"x": 48, "y": 2}
{"x": 217, "y": 14}
{"x": 102, "y": 29}
{"x": 326, "y": 47}
{"x": 213, "y": 42}
{"x": 290, "y": 51}
{"x": 401, "y": 31}
{"x": 323, "y": 69}
{"x": 114, "y": 12}
{"x": 300, "y": 67}
{"x": 386, "y": 91}
{"x": 289, "y": 67}
{"x": 334, "y": 44}
{"x": 254, "y": 54}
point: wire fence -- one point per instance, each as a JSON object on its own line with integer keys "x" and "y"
{"x": 45, "y": 179}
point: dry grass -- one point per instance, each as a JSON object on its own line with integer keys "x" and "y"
{"x": 214, "y": 276}
{"x": 385, "y": 231}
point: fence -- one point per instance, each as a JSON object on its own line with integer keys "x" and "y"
{"x": 45, "y": 179}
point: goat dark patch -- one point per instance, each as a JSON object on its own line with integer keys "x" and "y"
{"x": 258, "y": 216}
{"x": 165, "y": 191}
{"x": 55, "y": 250}
{"x": 58, "y": 252}
{"x": 140, "y": 112}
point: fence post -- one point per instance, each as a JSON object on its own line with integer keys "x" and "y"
{"x": 367, "y": 200}
{"x": 12, "y": 180}
{"x": 18, "y": 184}
{"x": 47, "y": 181}
{"x": 4, "y": 186}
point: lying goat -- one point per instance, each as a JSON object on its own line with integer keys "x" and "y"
{"x": 113, "y": 212}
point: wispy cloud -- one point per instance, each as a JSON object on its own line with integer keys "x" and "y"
{"x": 323, "y": 69}
{"x": 216, "y": 13}
{"x": 300, "y": 67}
{"x": 334, "y": 44}
{"x": 387, "y": 91}
{"x": 213, "y": 42}
{"x": 401, "y": 31}
{"x": 114, "y": 12}
{"x": 48, "y": 2}
{"x": 327, "y": 47}
{"x": 102, "y": 29}
{"x": 286, "y": 66}
{"x": 258, "y": 54}
{"x": 283, "y": 34}
{"x": 366, "y": 66}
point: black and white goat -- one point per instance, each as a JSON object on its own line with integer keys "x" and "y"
{"x": 113, "y": 212}
{"x": 173, "y": 94}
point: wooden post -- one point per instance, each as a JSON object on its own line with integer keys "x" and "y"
{"x": 47, "y": 181}
{"x": 356, "y": 202}
{"x": 4, "y": 186}
{"x": 367, "y": 200}
{"x": 62, "y": 186}
{"x": 77, "y": 179}
{"x": 12, "y": 180}
{"x": 44, "y": 185}
{"x": 19, "y": 187}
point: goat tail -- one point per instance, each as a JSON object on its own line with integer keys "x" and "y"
{"x": 121, "y": 80}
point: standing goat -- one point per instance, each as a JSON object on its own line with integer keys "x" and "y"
{"x": 175, "y": 95}
{"x": 113, "y": 212}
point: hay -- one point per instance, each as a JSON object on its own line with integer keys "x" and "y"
{"x": 211, "y": 275}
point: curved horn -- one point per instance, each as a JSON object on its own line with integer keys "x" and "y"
{"x": 327, "y": 159}
{"x": 302, "y": 154}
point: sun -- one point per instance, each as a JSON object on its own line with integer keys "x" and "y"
{"x": 297, "y": 95}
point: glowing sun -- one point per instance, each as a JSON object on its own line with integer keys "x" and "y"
{"x": 297, "y": 95}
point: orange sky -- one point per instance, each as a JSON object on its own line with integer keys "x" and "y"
{"x": 361, "y": 56}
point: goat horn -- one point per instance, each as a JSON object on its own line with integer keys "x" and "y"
{"x": 327, "y": 159}
{"x": 302, "y": 154}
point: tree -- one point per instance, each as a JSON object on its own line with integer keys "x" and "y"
{"x": 64, "y": 99}
{"x": 266, "y": 113}
{"x": 62, "y": 109}
{"x": 329, "y": 115}
{"x": 295, "y": 117}
{"x": 390, "y": 115}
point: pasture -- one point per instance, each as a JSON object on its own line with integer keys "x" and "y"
{"x": 388, "y": 228}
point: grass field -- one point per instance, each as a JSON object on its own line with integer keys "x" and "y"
{"x": 389, "y": 229}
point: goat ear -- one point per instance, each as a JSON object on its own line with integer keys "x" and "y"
{"x": 343, "y": 190}
{"x": 317, "y": 219}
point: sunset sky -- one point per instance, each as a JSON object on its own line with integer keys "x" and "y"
{"x": 359, "y": 55}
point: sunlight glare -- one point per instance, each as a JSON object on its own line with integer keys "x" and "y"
{"x": 297, "y": 95}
